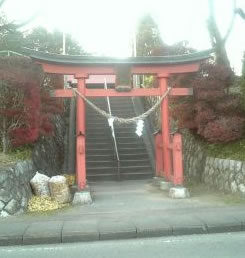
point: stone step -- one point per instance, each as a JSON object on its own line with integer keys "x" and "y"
{"x": 131, "y": 150}
{"x": 128, "y": 129}
{"x": 99, "y": 157}
{"x": 123, "y": 157}
{"x": 135, "y": 155}
{"x": 109, "y": 139}
{"x": 97, "y": 124}
{"x": 94, "y": 151}
{"x": 123, "y": 169}
{"x": 101, "y": 163}
{"x": 110, "y": 144}
{"x": 114, "y": 163}
{"x": 107, "y": 134}
{"x": 115, "y": 177}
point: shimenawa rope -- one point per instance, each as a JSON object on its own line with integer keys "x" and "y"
{"x": 120, "y": 120}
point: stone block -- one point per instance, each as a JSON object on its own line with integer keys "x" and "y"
{"x": 24, "y": 202}
{"x": 238, "y": 166}
{"x": 233, "y": 187}
{"x": 12, "y": 233}
{"x": 211, "y": 171}
{"x": 156, "y": 181}
{"x": 111, "y": 230}
{"x": 243, "y": 168}
{"x": 185, "y": 224}
{"x": 4, "y": 214}
{"x": 239, "y": 178}
{"x": 220, "y": 164}
{"x": 216, "y": 163}
{"x": 232, "y": 165}
{"x": 221, "y": 224}
{"x": 18, "y": 195}
{"x": 20, "y": 168}
{"x": 2, "y": 204}
{"x": 20, "y": 211}
{"x": 5, "y": 196}
{"x": 227, "y": 187}
{"x": 165, "y": 185}
{"x": 211, "y": 161}
{"x": 48, "y": 232}
{"x": 3, "y": 176}
{"x": 188, "y": 229}
{"x": 226, "y": 164}
{"x": 82, "y": 198}
{"x": 8, "y": 184}
{"x": 179, "y": 192}
{"x": 12, "y": 207}
{"x": 207, "y": 161}
{"x": 241, "y": 188}
{"x": 153, "y": 227}
{"x": 79, "y": 231}
{"x": 231, "y": 175}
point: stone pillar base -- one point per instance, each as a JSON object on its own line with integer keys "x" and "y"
{"x": 82, "y": 197}
{"x": 179, "y": 192}
{"x": 165, "y": 185}
{"x": 156, "y": 181}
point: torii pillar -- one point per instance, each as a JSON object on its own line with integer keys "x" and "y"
{"x": 165, "y": 127}
{"x": 80, "y": 135}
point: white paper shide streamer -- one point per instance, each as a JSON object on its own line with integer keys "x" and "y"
{"x": 139, "y": 127}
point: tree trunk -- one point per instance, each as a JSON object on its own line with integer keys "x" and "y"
{"x": 5, "y": 139}
{"x": 218, "y": 42}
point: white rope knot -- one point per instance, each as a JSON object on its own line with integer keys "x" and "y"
{"x": 120, "y": 120}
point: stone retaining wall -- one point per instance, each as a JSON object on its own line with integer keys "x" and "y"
{"x": 194, "y": 157}
{"x": 15, "y": 189}
{"x": 225, "y": 175}
{"x": 49, "y": 152}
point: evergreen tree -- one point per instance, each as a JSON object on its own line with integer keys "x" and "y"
{"x": 42, "y": 40}
{"x": 148, "y": 37}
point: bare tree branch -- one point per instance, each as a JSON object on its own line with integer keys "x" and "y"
{"x": 27, "y": 21}
{"x": 240, "y": 12}
{"x": 14, "y": 25}
{"x": 231, "y": 23}
{"x": 214, "y": 32}
{"x": 217, "y": 41}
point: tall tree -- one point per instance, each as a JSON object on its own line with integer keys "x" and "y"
{"x": 148, "y": 37}
{"x": 12, "y": 26}
{"x": 41, "y": 39}
{"x": 10, "y": 37}
{"x": 217, "y": 40}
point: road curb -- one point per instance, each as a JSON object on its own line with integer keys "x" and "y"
{"x": 59, "y": 231}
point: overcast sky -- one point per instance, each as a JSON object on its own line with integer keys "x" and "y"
{"x": 107, "y": 26}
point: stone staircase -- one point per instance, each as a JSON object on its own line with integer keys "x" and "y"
{"x": 101, "y": 161}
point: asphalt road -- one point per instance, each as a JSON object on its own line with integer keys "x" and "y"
{"x": 231, "y": 245}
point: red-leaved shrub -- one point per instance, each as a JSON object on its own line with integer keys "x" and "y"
{"x": 213, "y": 113}
{"x": 25, "y": 123}
{"x": 224, "y": 129}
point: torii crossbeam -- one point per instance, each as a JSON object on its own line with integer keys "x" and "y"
{"x": 162, "y": 67}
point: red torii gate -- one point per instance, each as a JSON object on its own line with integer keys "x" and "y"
{"x": 83, "y": 66}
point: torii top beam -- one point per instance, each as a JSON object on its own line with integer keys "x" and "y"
{"x": 77, "y": 65}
